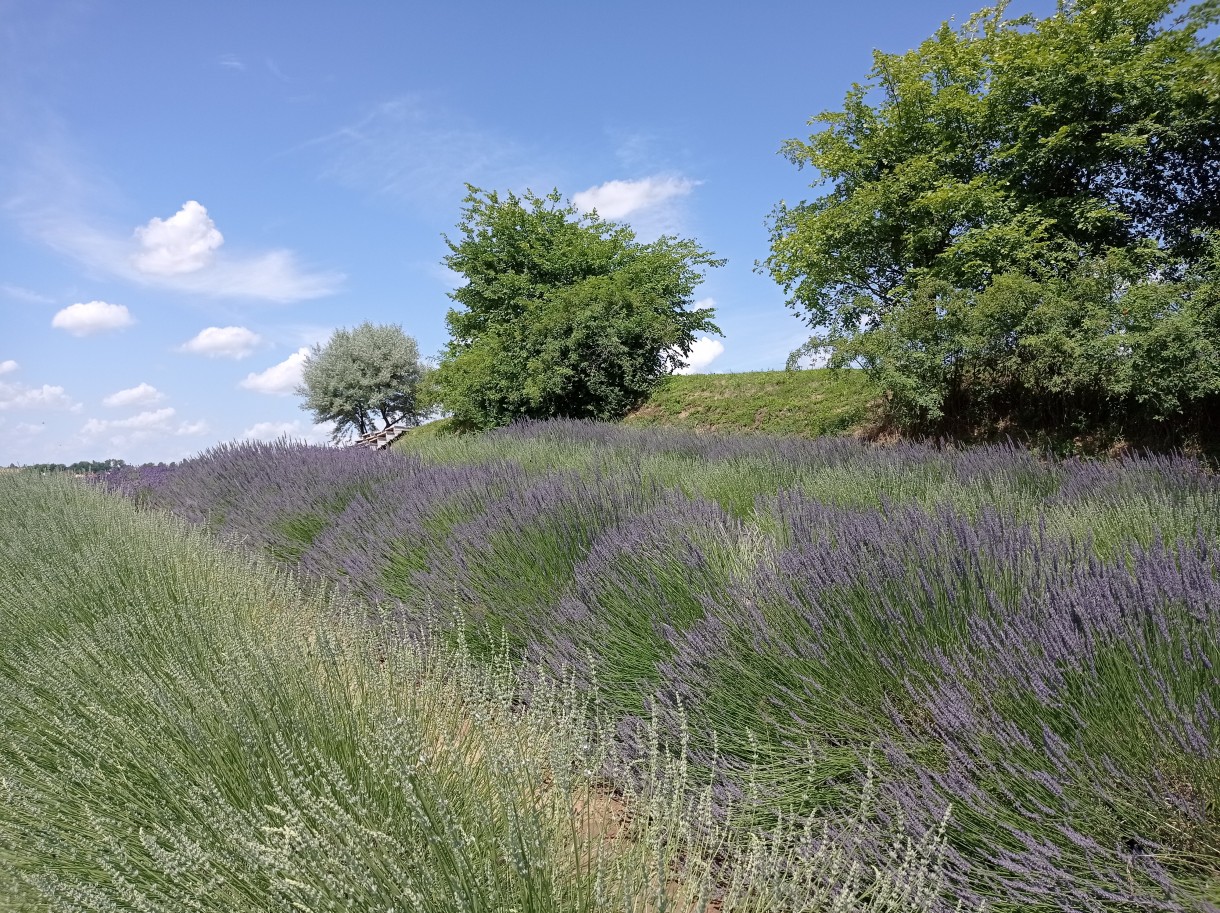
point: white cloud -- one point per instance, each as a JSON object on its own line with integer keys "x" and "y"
{"x": 619, "y": 199}
{"x": 222, "y": 342}
{"x": 92, "y": 317}
{"x": 146, "y": 423}
{"x": 25, "y": 294}
{"x": 8, "y": 366}
{"x": 19, "y": 396}
{"x": 151, "y": 425}
{"x": 178, "y": 255}
{"x": 184, "y": 243}
{"x": 280, "y": 379}
{"x": 702, "y": 353}
{"x": 142, "y": 421}
{"x": 25, "y": 429}
{"x": 140, "y": 395}
{"x": 411, "y": 148}
{"x": 297, "y": 430}
{"x": 188, "y": 429}
{"x": 231, "y": 62}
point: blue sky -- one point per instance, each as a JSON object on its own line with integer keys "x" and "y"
{"x": 192, "y": 193}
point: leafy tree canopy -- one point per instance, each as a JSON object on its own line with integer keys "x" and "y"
{"x": 362, "y": 375}
{"x": 562, "y": 313}
{"x": 1008, "y": 145}
{"x": 1107, "y": 346}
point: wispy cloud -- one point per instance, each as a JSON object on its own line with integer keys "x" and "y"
{"x": 25, "y": 294}
{"x": 280, "y": 379}
{"x": 222, "y": 342}
{"x": 92, "y": 317}
{"x": 274, "y": 70}
{"x": 231, "y": 62}
{"x": 423, "y": 154}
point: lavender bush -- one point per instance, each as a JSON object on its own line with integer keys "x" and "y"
{"x": 1032, "y": 643}
{"x": 184, "y": 729}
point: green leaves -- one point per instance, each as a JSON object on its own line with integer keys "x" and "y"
{"x": 1008, "y": 144}
{"x": 1000, "y": 203}
{"x": 562, "y": 314}
{"x": 360, "y": 376}
{"x": 1114, "y": 343}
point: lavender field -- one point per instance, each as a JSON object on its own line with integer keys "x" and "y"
{"x": 1032, "y": 645}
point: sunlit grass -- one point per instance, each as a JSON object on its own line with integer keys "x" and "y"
{"x": 809, "y": 403}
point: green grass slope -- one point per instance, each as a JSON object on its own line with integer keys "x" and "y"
{"x": 808, "y": 403}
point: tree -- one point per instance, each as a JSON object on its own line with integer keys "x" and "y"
{"x": 1018, "y": 220}
{"x": 362, "y": 374}
{"x": 1009, "y": 145}
{"x": 1104, "y": 347}
{"x": 562, "y": 313}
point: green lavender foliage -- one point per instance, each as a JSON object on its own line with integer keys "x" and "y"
{"x": 184, "y": 729}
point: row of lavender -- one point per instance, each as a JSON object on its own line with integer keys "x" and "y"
{"x": 1061, "y": 697}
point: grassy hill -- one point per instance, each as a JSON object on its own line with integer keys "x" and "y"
{"x": 808, "y": 403}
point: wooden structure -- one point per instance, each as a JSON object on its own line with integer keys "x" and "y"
{"x": 380, "y": 440}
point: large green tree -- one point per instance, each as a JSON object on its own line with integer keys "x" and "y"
{"x": 1007, "y": 145}
{"x": 362, "y": 375}
{"x": 1016, "y": 220}
{"x": 562, "y": 313}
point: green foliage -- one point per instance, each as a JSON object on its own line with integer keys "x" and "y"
{"x": 1111, "y": 344}
{"x": 808, "y": 403}
{"x": 1017, "y": 216}
{"x": 1007, "y": 145}
{"x": 182, "y": 728}
{"x": 78, "y": 466}
{"x": 361, "y": 374}
{"x": 562, "y": 314}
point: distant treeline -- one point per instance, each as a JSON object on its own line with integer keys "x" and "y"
{"x": 78, "y": 466}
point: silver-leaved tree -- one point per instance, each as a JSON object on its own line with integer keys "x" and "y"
{"x": 364, "y": 376}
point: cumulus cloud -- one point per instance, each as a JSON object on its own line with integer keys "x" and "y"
{"x": 180, "y": 253}
{"x": 298, "y": 430}
{"x": 159, "y": 421}
{"x": 141, "y": 421}
{"x": 184, "y": 243}
{"x": 619, "y": 199}
{"x": 19, "y": 396}
{"x": 8, "y": 366}
{"x": 92, "y": 317}
{"x": 222, "y": 342}
{"x": 187, "y": 429}
{"x": 280, "y": 379}
{"x": 140, "y": 395}
{"x": 702, "y": 353}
